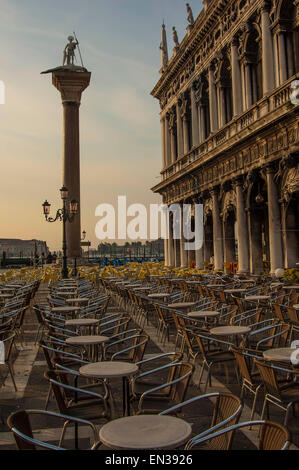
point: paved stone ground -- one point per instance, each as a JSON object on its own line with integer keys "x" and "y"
{"x": 29, "y": 365}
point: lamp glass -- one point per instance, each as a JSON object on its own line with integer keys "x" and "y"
{"x": 64, "y": 193}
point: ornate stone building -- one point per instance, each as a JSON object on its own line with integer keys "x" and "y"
{"x": 230, "y": 137}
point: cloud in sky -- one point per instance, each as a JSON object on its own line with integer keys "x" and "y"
{"x": 119, "y": 120}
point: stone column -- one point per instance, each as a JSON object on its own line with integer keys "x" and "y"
{"x": 267, "y": 54}
{"x": 170, "y": 243}
{"x": 71, "y": 85}
{"x": 166, "y": 252}
{"x": 248, "y": 84}
{"x": 194, "y": 116}
{"x": 199, "y": 258}
{"x": 236, "y": 79}
{"x": 221, "y": 107}
{"x": 180, "y": 139}
{"x": 283, "y": 71}
{"x": 217, "y": 232}
{"x": 276, "y": 258}
{"x": 242, "y": 230}
{"x": 173, "y": 149}
{"x": 276, "y": 59}
{"x": 184, "y": 255}
{"x": 255, "y": 243}
{"x": 167, "y": 142}
{"x": 213, "y": 102}
{"x": 163, "y": 142}
{"x": 184, "y": 115}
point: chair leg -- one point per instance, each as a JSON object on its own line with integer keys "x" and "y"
{"x": 264, "y": 407}
{"x": 289, "y": 407}
{"x": 63, "y": 432}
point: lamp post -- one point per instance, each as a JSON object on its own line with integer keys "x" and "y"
{"x": 66, "y": 214}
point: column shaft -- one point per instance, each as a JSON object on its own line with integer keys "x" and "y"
{"x": 267, "y": 53}
{"x": 217, "y": 234}
{"x": 213, "y": 103}
{"x": 236, "y": 80}
{"x": 242, "y": 231}
{"x": 275, "y": 239}
{"x": 194, "y": 117}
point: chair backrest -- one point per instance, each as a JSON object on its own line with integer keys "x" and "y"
{"x": 140, "y": 342}
{"x": 278, "y": 311}
{"x": 184, "y": 371}
{"x": 268, "y": 376}
{"x": 242, "y": 362}
{"x": 226, "y": 406}
{"x": 54, "y": 377}
{"x": 19, "y": 420}
{"x": 273, "y": 436}
{"x": 293, "y": 315}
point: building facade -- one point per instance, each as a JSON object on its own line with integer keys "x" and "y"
{"x": 230, "y": 136}
{"x": 14, "y": 248}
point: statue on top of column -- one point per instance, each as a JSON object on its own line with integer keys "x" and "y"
{"x": 190, "y": 14}
{"x": 175, "y": 37}
{"x": 69, "y": 51}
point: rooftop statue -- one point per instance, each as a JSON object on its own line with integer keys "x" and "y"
{"x": 190, "y": 14}
{"x": 175, "y": 37}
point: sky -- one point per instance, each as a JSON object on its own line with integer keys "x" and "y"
{"x": 120, "y": 135}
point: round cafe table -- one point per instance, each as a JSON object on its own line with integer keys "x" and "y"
{"x": 181, "y": 305}
{"x": 159, "y": 295}
{"x": 296, "y": 306}
{"x": 90, "y": 341}
{"x": 145, "y": 432}
{"x": 280, "y": 354}
{"x": 234, "y": 291}
{"x": 257, "y": 297}
{"x": 198, "y": 315}
{"x": 230, "y": 331}
{"x": 83, "y": 322}
{"x": 65, "y": 310}
{"x": 112, "y": 370}
{"x": 291, "y": 287}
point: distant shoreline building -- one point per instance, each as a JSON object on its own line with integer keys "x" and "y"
{"x": 15, "y": 248}
{"x": 230, "y": 135}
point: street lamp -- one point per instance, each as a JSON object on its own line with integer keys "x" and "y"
{"x": 66, "y": 214}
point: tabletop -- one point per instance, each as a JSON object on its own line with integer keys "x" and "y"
{"x": 145, "y": 432}
{"x": 229, "y": 330}
{"x": 203, "y": 314}
{"x": 296, "y": 306}
{"x": 109, "y": 369}
{"x": 159, "y": 295}
{"x": 257, "y": 297}
{"x": 82, "y": 322}
{"x": 234, "y": 291}
{"x": 279, "y": 354}
{"x": 181, "y": 305}
{"x": 291, "y": 287}
{"x": 79, "y": 300}
{"x": 87, "y": 340}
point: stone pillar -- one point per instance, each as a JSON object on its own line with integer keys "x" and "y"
{"x": 199, "y": 258}
{"x": 248, "y": 84}
{"x": 242, "y": 230}
{"x": 184, "y": 256}
{"x": 255, "y": 244}
{"x": 167, "y": 142}
{"x": 170, "y": 243}
{"x": 217, "y": 233}
{"x": 275, "y": 239}
{"x": 184, "y": 115}
{"x": 267, "y": 54}
{"x": 166, "y": 252}
{"x": 202, "y": 121}
{"x": 173, "y": 149}
{"x": 71, "y": 85}
{"x": 213, "y": 102}
{"x": 236, "y": 79}
{"x": 163, "y": 141}
{"x": 180, "y": 139}
{"x": 283, "y": 71}
{"x": 276, "y": 59}
{"x": 221, "y": 106}
{"x": 194, "y": 116}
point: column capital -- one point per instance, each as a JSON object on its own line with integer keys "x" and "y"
{"x": 238, "y": 181}
{"x": 71, "y": 84}
{"x": 266, "y": 6}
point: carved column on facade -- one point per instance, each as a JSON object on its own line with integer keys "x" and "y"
{"x": 167, "y": 141}
{"x": 220, "y": 93}
{"x": 213, "y": 101}
{"x": 267, "y": 48}
{"x": 276, "y": 258}
{"x": 236, "y": 79}
{"x": 242, "y": 228}
{"x": 201, "y": 109}
{"x": 170, "y": 242}
{"x": 172, "y": 124}
{"x": 163, "y": 143}
{"x": 194, "y": 115}
{"x": 199, "y": 254}
{"x": 184, "y": 116}
{"x": 184, "y": 253}
{"x": 217, "y": 232}
{"x": 180, "y": 138}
